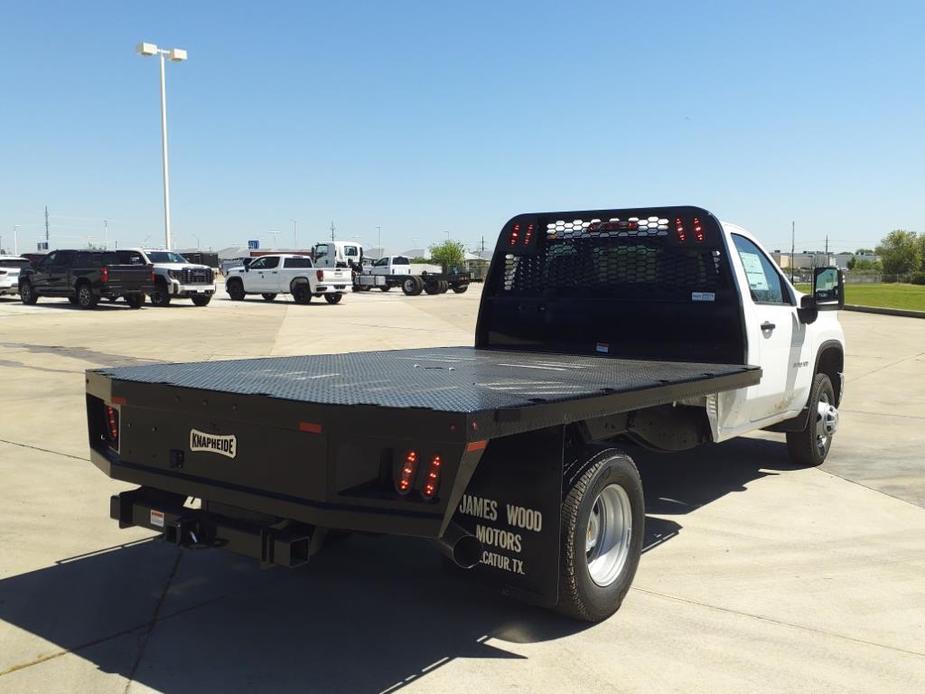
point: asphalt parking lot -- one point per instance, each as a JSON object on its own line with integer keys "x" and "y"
{"x": 757, "y": 576}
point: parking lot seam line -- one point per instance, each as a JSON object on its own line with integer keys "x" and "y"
{"x": 872, "y": 489}
{"x": 154, "y": 618}
{"x": 881, "y": 414}
{"x": 104, "y": 639}
{"x": 886, "y": 366}
{"x": 43, "y": 450}
{"x": 771, "y": 620}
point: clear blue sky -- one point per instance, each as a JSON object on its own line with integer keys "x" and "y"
{"x": 428, "y": 116}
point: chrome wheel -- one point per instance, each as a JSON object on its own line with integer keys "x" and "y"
{"x": 607, "y": 539}
{"x": 826, "y": 422}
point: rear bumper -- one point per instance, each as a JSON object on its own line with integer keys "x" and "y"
{"x": 332, "y": 288}
{"x": 269, "y": 541}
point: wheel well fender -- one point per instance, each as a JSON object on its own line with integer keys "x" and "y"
{"x": 830, "y": 360}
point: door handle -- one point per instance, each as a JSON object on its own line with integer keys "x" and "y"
{"x": 767, "y": 325}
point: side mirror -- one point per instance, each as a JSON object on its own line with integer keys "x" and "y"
{"x": 828, "y": 289}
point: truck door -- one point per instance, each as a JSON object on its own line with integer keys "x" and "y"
{"x": 775, "y": 334}
{"x": 56, "y": 273}
{"x": 261, "y": 277}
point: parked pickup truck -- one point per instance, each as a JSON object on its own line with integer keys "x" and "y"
{"x": 174, "y": 276}
{"x": 10, "y": 267}
{"x": 413, "y": 278}
{"x": 86, "y": 276}
{"x": 659, "y": 326}
{"x": 272, "y": 275}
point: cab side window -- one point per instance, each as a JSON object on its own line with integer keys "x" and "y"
{"x": 270, "y": 263}
{"x": 764, "y": 281}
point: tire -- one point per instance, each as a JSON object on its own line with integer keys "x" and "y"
{"x": 268, "y": 297}
{"x": 201, "y": 299}
{"x": 86, "y": 299}
{"x": 301, "y": 293}
{"x": 443, "y": 286}
{"x": 134, "y": 300}
{"x": 432, "y": 288}
{"x": 27, "y": 294}
{"x": 333, "y": 298}
{"x": 384, "y": 288}
{"x": 460, "y": 288}
{"x": 809, "y": 448}
{"x": 412, "y": 286}
{"x": 160, "y": 296}
{"x": 608, "y": 486}
{"x": 235, "y": 290}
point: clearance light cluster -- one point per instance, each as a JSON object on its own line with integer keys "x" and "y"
{"x": 679, "y": 229}
{"x": 521, "y": 235}
{"x": 696, "y": 226}
{"x": 698, "y": 230}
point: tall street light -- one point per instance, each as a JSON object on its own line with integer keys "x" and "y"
{"x": 176, "y": 55}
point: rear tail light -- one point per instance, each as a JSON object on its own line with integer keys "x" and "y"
{"x": 320, "y": 275}
{"x": 515, "y": 234}
{"x": 698, "y": 230}
{"x": 104, "y": 274}
{"x": 409, "y": 468}
{"x": 679, "y": 229}
{"x": 112, "y": 426}
{"x": 432, "y": 481}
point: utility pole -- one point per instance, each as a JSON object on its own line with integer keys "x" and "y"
{"x": 46, "y": 227}
{"x": 106, "y": 233}
{"x": 793, "y": 245}
{"x": 295, "y": 235}
{"x": 379, "y": 229}
{"x": 15, "y": 240}
{"x": 332, "y": 229}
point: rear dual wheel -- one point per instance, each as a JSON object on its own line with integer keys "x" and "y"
{"x": 603, "y": 525}
{"x": 412, "y": 286}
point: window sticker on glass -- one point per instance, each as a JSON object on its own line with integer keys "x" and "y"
{"x": 757, "y": 280}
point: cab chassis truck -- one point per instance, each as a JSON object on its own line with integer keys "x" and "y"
{"x": 594, "y": 328}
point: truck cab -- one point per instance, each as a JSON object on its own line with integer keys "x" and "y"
{"x": 391, "y": 265}
{"x": 344, "y": 254}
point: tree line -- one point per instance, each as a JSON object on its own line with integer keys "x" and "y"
{"x": 902, "y": 252}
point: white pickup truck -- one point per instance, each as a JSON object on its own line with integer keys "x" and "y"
{"x": 271, "y": 275}
{"x": 10, "y": 265}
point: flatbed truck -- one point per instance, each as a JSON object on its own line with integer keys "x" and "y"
{"x": 659, "y": 326}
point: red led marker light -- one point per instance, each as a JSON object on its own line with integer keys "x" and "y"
{"x": 474, "y": 446}
{"x": 310, "y": 427}
{"x": 408, "y": 468}
{"x": 679, "y": 229}
{"x": 528, "y": 237}
{"x": 433, "y": 478}
{"x": 515, "y": 234}
{"x": 698, "y": 230}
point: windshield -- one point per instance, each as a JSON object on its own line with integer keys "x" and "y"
{"x": 165, "y": 257}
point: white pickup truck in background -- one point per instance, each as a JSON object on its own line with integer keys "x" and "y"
{"x": 272, "y": 275}
{"x": 10, "y": 265}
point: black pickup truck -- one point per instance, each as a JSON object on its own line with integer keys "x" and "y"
{"x": 505, "y": 454}
{"x": 86, "y": 276}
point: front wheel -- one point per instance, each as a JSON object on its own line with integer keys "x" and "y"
{"x": 201, "y": 299}
{"x": 603, "y": 524}
{"x": 27, "y": 294}
{"x": 333, "y": 298}
{"x": 809, "y": 448}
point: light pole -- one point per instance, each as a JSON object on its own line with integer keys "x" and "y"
{"x": 15, "y": 240}
{"x": 176, "y": 55}
{"x": 295, "y": 235}
{"x": 379, "y": 240}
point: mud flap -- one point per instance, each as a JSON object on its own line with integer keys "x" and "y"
{"x": 512, "y": 504}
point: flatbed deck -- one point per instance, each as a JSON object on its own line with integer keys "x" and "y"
{"x": 457, "y": 380}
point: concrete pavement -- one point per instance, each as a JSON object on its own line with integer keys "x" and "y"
{"x": 757, "y": 576}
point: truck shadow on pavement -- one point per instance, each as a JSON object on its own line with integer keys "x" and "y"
{"x": 367, "y": 615}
